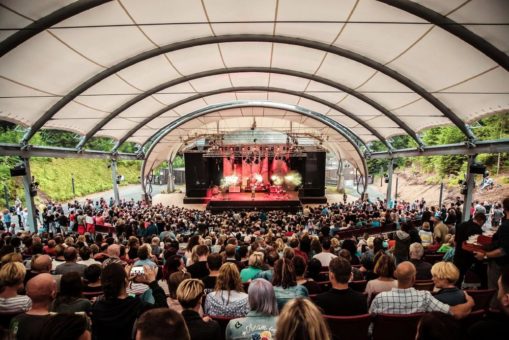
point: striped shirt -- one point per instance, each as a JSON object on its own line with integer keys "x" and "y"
{"x": 16, "y": 304}
{"x": 406, "y": 301}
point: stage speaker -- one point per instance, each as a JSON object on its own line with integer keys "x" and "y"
{"x": 18, "y": 170}
{"x": 197, "y": 171}
{"x": 314, "y": 175}
{"x": 477, "y": 168}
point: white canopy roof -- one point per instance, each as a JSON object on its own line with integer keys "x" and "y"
{"x": 127, "y": 68}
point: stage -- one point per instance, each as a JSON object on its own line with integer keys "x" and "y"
{"x": 288, "y": 201}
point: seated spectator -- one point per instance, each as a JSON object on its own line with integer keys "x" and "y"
{"x": 294, "y": 243}
{"x": 66, "y": 326}
{"x": 228, "y": 298}
{"x": 426, "y": 235}
{"x": 255, "y": 265}
{"x": 42, "y": 289}
{"x": 407, "y": 300}
{"x": 173, "y": 264}
{"x": 161, "y": 324}
{"x": 86, "y": 260}
{"x": 300, "y": 270}
{"x": 173, "y": 283}
{"x": 423, "y": 268}
{"x": 494, "y": 327}
{"x": 351, "y": 247}
{"x": 356, "y": 273}
{"x": 285, "y": 283}
{"x": 384, "y": 268}
{"x": 325, "y": 255}
{"x": 445, "y": 275}
{"x": 199, "y": 267}
{"x": 70, "y": 297}
{"x": 270, "y": 260}
{"x": 341, "y": 299}
{"x": 437, "y": 326}
{"x": 214, "y": 262}
{"x": 145, "y": 256}
{"x": 70, "y": 265}
{"x": 114, "y": 316}
{"x": 301, "y": 320}
{"x": 403, "y": 242}
{"x": 314, "y": 270}
{"x": 229, "y": 253}
{"x": 59, "y": 258}
{"x": 260, "y": 322}
{"x": 12, "y": 275}
{"x": 155, "y": 245}
{"x": 92, "y": 278}
{"x": 49, "y": 249}
{"x": 190, "y": 294}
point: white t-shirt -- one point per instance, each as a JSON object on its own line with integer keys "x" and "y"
{"x": 324, "y": 258}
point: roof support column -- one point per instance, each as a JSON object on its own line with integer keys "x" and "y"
{"x": 467, "y": 197}
{"x": 340, "y": 185}
{"x": 390, "y": 171}
{"x": 114, "y": 179}
{"x": 31, "y": 222}
{"x": 171, "y": 177}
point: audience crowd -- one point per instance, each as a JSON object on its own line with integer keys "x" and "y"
{"x": 101, "y": 270}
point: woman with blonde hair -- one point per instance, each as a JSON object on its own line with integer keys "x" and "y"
{"x": 12, "y": 275}
{"x": 280, "y": 246}
{"x": 445, "y": 275}
{"x": 255, "y": 264}
{"x": 228, "y": 298}
{"x": 300, "y": 319}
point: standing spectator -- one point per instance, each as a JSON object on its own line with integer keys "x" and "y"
{"x": 402, "y": 244}
{"x": 301, "y": 320}
{"x": 12, "y": 275}
{"x": 228, "y": 298}
{"x": 190, "y": 294}
{"x": 325, "y": 255}
{"x": 499, "y": 256}
{"x": 464, "y": 259}
{"x": 445, "y": 275}
{"x": 261, "y": 320}
{"x": 70, "y": 265}
{"x": 340, "y": 299}
{"x": 423, "y": 268}
{"x": 285, "y": 283}
{"x": 440, "y": 230}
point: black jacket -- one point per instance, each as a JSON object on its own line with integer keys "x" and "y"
{"x": 199, "y": 329}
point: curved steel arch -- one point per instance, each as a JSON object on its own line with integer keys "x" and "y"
{"x": 156, "y": 138}
{"x": 248, "y": 38}
{"x": 234, "y": 89}
{"x": 452, "y": 27}
{"x": 46, "y": 22}
{"x": 293, "y": 73}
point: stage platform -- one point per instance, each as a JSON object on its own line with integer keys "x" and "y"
{"x": 243, "y": 200}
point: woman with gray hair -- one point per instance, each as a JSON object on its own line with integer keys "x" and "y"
{"x": 260, "y": 322}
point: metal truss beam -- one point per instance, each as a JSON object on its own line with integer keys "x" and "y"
{"x": 158, "y": 136}
{"x": 46, "y": 22}
{"x": 490, "y": 146}
{"x": 247, "y": 38}
{"x": 44, "y": 151}
{"x": 452, "y": 27}
{"x": 293, "y": 73}
{"x": 248, "y": 88}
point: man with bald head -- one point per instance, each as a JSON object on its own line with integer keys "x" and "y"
{"x": 70, "y": 265}
{"x": 407, "y": 300}
{"x": 113, "y": 255}
{"x": 42, "y": 289}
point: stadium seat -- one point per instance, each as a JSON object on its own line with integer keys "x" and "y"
{"x": 359, "y": 286}
{"x": 395, "y": 326}
{"x": 482, "y": 298}
{"x": 349, "y": 327}
{"x": 424, "y": 285}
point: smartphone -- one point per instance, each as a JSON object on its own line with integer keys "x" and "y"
{"x": 138, "y": 270}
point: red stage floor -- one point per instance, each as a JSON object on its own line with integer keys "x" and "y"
{"x": 259, "y": 196}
